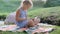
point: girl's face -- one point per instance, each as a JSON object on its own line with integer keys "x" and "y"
{"x": 26, "y": 7}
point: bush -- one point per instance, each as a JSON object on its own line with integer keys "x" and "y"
{"x": 2, "y": 17}
{"x": 54, "y": 20}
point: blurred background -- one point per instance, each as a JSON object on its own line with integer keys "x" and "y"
{"x": 47, "y": 10}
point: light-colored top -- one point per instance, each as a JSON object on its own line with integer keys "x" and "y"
{"x": 23, "y": 14}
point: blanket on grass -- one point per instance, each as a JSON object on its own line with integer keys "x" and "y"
{"x": 38, "y": 28}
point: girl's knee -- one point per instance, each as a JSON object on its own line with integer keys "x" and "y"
{"x": 31, "y": 23}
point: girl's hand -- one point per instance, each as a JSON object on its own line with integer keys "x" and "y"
{"x": 24, "y": 18}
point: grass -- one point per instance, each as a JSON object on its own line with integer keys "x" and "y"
{"x": 57, "y": 31}
{"x": 44, "y": 12}
{"x": 13, "y": 32}
{"x": 8, "y": 6}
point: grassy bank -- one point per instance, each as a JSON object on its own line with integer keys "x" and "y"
{"x": 44, "y": 12}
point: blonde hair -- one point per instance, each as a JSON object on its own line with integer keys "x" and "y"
{"x": 27, "y": 2}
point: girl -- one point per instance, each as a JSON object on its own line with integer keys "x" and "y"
{"x": 21, "y": 15}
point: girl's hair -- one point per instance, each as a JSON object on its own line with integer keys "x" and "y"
{"x": 26, "y": 2}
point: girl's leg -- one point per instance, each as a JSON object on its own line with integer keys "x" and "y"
{"x": 31, "y": 23}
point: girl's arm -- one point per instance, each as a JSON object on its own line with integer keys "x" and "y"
{"x": 17, "y": 16}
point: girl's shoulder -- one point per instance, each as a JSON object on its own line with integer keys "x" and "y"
{"x": 19, "y": 10}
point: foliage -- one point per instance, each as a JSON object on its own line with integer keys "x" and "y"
{"x": 52, "y": 3}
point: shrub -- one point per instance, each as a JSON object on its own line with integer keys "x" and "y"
{"x": 54, "y": 20}
{"x": 2, "y": 17}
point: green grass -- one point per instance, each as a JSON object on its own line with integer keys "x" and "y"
{"x": 8, "y": 6}
{"x": 57, "y": 31}
{"x": 44, "y": 12}
{"x": 13, "y": 32}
